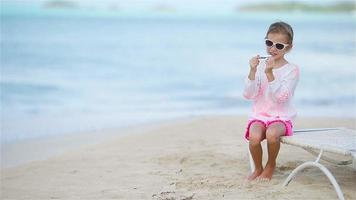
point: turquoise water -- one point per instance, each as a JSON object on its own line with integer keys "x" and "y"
{"x": 67, "y": 71}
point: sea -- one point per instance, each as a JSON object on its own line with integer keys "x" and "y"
{"x": 67, "y": 71}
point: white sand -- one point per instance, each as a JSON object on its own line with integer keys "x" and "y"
{"x": 197, "y": 158}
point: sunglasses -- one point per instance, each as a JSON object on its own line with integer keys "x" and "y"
{"x": 279, "y": 46}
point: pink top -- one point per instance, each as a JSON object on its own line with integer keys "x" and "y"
{"x": 273, "y": 100}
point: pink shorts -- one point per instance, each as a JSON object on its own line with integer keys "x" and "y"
{"x": 287, "y": 123}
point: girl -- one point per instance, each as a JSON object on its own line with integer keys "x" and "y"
{"x": 270, "y": 84}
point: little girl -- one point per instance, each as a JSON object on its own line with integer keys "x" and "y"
{"x": 270, "y": 84}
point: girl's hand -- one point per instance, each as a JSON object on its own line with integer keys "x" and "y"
{"x": 254, "y": 61}
{"x": 270, "y": 63}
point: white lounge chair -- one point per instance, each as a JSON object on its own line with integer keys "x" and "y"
{"x": 340, "y": 141}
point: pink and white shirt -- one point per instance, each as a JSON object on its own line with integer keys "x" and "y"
{"x": 273, "y": 100}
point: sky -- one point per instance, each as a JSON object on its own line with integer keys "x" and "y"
{"x": 172, "y": 2}
{"x": 178, "y": 5}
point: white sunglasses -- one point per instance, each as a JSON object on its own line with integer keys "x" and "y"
{"x": 278, "y": 45}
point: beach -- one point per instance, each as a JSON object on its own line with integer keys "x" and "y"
{"x": 143, "y": 100}
{"x": 202, "y": 157}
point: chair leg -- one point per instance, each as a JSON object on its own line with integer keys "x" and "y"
{"x": 323, "y": 169}
{"x": 252, "y": 164}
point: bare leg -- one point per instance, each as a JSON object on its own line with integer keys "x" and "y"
{"x": 273, "y": 134}
{"x": 257, "y": 133}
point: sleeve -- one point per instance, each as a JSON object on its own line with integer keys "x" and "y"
{"x": 281, "y": 91}
{"x": 251, "y": 89}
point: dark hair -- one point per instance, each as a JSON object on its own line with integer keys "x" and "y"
{"x": 281, "y": 27}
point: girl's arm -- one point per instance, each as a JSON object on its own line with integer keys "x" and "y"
{"x": 282, "y": 90}
{"x": 252, "y": 87}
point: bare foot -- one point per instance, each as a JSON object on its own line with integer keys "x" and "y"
{"x": 267, "y": 172}
{"x": 255, "y": 174}
{"x": 262, "y": 180}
